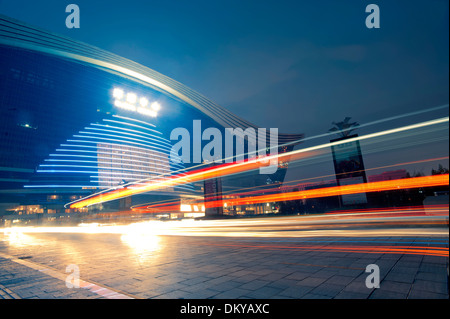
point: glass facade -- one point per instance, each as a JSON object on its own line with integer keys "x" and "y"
{"x": 62, "y": 134}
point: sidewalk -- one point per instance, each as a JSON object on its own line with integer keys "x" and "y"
{"x": 201, "y": 268}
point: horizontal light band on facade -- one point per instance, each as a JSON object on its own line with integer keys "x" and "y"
{"x": 111, "y": 163}
{"x": 92, "y": 172}
{"x": 154, "y": 176}
{"x": 134, "y": 125}
{"x": 150, "y": 136}
{"x": 122, "y": 137}
{"x": 104, "y": 153}
{"x": 135, "y": 120}
{"x": 58, "y": 186}
{"x": 126, "y": 143}
{"x": 106, "y": 179}
{"x": 136, "y": 185}
{"x": 145, "y": 178}
{"x": 105, "y": 167}
{"x": 145, "y": 151}
{"x": 141, "y": 149}
{"x": 97, "y": 157}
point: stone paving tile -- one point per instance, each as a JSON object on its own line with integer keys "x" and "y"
{"x": 224, "y": 286}
{"x": 404, "y": 269}
{"x": 401, "y": 277}
{"x": 232, "y": 293}
{"x": 422, "y": 294}
{"x": 245, "y": 279}
{"x": 203, "y": 294}
{"x": 283, "y": 283}
{"x": 273, "y": 276}
{"x": 379, "y": 294}
{"x": 350, "y": 295}
{"x": 353, "y": 272}
{"x": 177, "y": 294}
{"x": 315, "y": 296}
{"x": 312, "y": 281}
{"x": 265, "y": 292}
{"x": 394, "y": 286}
{"x": 339, "y": 280}
{"x": 358, "y": 286}
{"x": 435, "y": 287}
{"x": 429, "y": 276}
{"x": 432, "y": 267}
{"x": 296, "y": 292}
{"x": 297, "y": 276}
{"x": 254, "y": 284}
{"x": 326, "y": 273}
{"x": 199, "y": 287}
{"x": 329, "y": 290}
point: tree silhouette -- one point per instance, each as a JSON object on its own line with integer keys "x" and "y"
{"x": 440, "y": 170}
{"x": 344, "y": 128}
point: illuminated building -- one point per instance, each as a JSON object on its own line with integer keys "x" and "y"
{"x": 77, "y": 120}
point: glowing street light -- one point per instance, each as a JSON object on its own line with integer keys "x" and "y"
{"x": 131, "y": 98}
{"x": 143, "y": 101}
{"x": 155, "y": 106}
{"x": 131, "y": 102}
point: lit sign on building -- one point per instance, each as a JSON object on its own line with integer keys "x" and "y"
{"x": 131, "y": 102}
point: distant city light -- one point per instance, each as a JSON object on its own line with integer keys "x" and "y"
{"x": 131, "y": 102}
{"x": 185, "y": 208}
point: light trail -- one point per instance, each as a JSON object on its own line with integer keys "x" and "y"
{"x": 261, "y": 189}
{"x": 368, "y": 249}
{"x": 268, "y": 226}
{"x": 405, "y": 183}
{"x": 409, "y": 231}
{"x": 234, "y": 168}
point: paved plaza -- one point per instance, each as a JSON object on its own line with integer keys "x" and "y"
{"x": 203, "y": 267}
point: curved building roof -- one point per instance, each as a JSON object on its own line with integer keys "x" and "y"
{"x": 17, "y": 34}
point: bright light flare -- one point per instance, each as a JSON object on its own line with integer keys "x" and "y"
{"x": 155, "y": 106}
{"x": 131, "y": 102}
{"x": 143, "y": 101}
{"x": 131, "y": 98}
{"x": 118, "y": 93}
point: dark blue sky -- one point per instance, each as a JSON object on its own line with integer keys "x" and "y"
{"x": 295, "y": 65}
{"x": 312, "y": 59}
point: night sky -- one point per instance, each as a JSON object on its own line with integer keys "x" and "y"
{"x": 295, "y": 65}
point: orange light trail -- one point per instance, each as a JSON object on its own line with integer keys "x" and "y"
{"x": 276, "y": 186}
{"x": 405, "y": 183}
{"x": 409, "y": 250}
